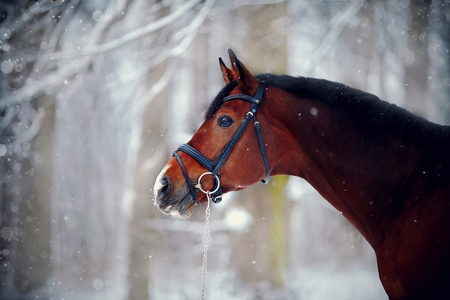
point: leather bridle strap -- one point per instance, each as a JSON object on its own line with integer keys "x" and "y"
{"x": 214, "y": 167}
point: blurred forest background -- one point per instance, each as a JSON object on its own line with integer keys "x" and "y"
{"x": 95, "y": 96}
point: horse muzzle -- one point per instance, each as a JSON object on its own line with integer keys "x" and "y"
{"x": 172, "y": 199}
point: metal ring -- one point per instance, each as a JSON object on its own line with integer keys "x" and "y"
{"x": 200, "y": 185}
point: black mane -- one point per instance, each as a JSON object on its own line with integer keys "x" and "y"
{"x": 367, "y": 110}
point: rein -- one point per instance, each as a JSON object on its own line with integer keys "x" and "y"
{"x": 213, "y": 167}
{"x": 206, "y": 239}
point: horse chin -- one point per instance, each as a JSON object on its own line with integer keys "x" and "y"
{"x": 183, "y": 211}
{"x": 181, "y": 208}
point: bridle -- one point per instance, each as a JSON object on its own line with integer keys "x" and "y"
{"x": 213, "y": 167}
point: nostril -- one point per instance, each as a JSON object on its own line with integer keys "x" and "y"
{"x": 164, "y": 182}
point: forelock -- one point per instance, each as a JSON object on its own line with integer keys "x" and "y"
{"x": 217, "y": 102}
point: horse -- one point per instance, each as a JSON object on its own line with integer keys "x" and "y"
{"x": 385, "y": 169}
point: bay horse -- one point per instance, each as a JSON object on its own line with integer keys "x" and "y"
{"x": 385, "y": 169}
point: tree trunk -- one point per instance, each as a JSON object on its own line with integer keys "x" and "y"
{"x": 416, "y": 58}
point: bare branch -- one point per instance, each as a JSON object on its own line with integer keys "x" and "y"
{"x": 34, "y": 10}
{"x": 51, "y": 80}
{"x": 129, "y": 37}
{"x": 337, "y": 24}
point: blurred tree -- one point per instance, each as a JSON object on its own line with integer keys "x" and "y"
{"x": 268, "y": 41}
{"x": 416, "y": 58}
{"x": 25, "y": 166}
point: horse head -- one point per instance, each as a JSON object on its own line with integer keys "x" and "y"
{"x": 229, "y": 154}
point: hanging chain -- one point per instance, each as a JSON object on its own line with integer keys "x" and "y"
{"x": 207, "y": 213}
{"x": 205, "y": 253}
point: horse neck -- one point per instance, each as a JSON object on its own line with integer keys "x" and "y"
{"x": 357, "y": 173}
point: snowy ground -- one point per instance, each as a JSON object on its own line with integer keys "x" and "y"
{"x": 308, "y": 284}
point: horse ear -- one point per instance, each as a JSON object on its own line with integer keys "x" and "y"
{"x": 227, "y": 74}
{"x": 243, "y": 76}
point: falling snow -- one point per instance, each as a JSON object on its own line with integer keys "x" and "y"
{"x": 95, "y": 97}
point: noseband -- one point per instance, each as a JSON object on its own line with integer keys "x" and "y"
{"x": 213, "y": 167}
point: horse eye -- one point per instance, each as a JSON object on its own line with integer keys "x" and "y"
{"x": 225, "y": 121}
